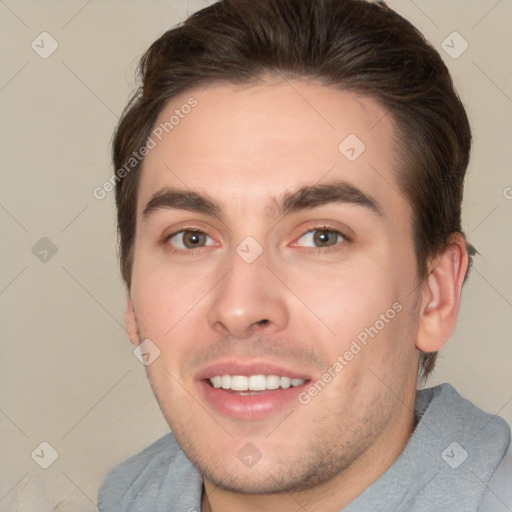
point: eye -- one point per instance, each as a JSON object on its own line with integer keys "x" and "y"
{"x": 321, "y": 237}
{"x": 188, "y": 239}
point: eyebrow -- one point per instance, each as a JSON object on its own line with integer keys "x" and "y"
{"x": 308, "y": 196}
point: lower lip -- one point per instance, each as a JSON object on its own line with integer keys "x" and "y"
{"x": 250, "y": 407}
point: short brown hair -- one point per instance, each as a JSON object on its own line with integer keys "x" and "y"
{"x": 355, "y": 45}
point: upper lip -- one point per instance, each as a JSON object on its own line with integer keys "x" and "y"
{"x": 247, "y": 368}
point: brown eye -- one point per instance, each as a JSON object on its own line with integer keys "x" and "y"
{"x": 325, "y": 238}
{"x": 188, "y": 239}
{"x": 321, "y": 237}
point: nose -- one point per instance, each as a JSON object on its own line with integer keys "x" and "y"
{"x": 247, "y": 299}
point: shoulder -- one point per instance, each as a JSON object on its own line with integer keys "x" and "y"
{"x": 143, "y": 476}
{"x": 475, "y": 463}
{"x": 158, "y": 454}
{"x": 444, "y": 401}
{"x": 498, "y": 493}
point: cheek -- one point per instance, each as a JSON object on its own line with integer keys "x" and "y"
{"x": 163, "y": 295}
{"x": 364, "y": 314}
{"x": 347, "y": 299}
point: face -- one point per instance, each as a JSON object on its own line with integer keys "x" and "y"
{"x": 274, "y": 258}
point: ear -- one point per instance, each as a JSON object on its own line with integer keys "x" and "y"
{"x": 130, "y": 321}
{"x": 441, "y": 296}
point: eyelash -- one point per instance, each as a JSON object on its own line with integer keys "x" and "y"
{"x": 190, "y": 252}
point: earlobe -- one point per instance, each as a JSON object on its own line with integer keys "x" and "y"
{"x": 130, "y": 321}
{"x": 441, "y": 297}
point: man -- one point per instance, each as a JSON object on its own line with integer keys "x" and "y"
{"x": 289, "y": 186}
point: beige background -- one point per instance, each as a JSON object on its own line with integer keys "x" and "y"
{"x": 68, "y": 374}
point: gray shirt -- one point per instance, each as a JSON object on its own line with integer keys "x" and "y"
{"x": 458, "y": 460}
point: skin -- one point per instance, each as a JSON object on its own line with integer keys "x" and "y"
{"x": 241, "y": 145}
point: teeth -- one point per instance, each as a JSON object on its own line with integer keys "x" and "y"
{"x": 254, "y": 382}
{"x": 273, "y": 382}
{"x": 226, "y": 382}
{"x": 257, "y": 382}
{"x": 239, "y": 383}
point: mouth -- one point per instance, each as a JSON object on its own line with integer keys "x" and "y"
{"x": 251, "y": 392}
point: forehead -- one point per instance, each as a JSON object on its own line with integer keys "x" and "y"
{"x": 256, "y": 142}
